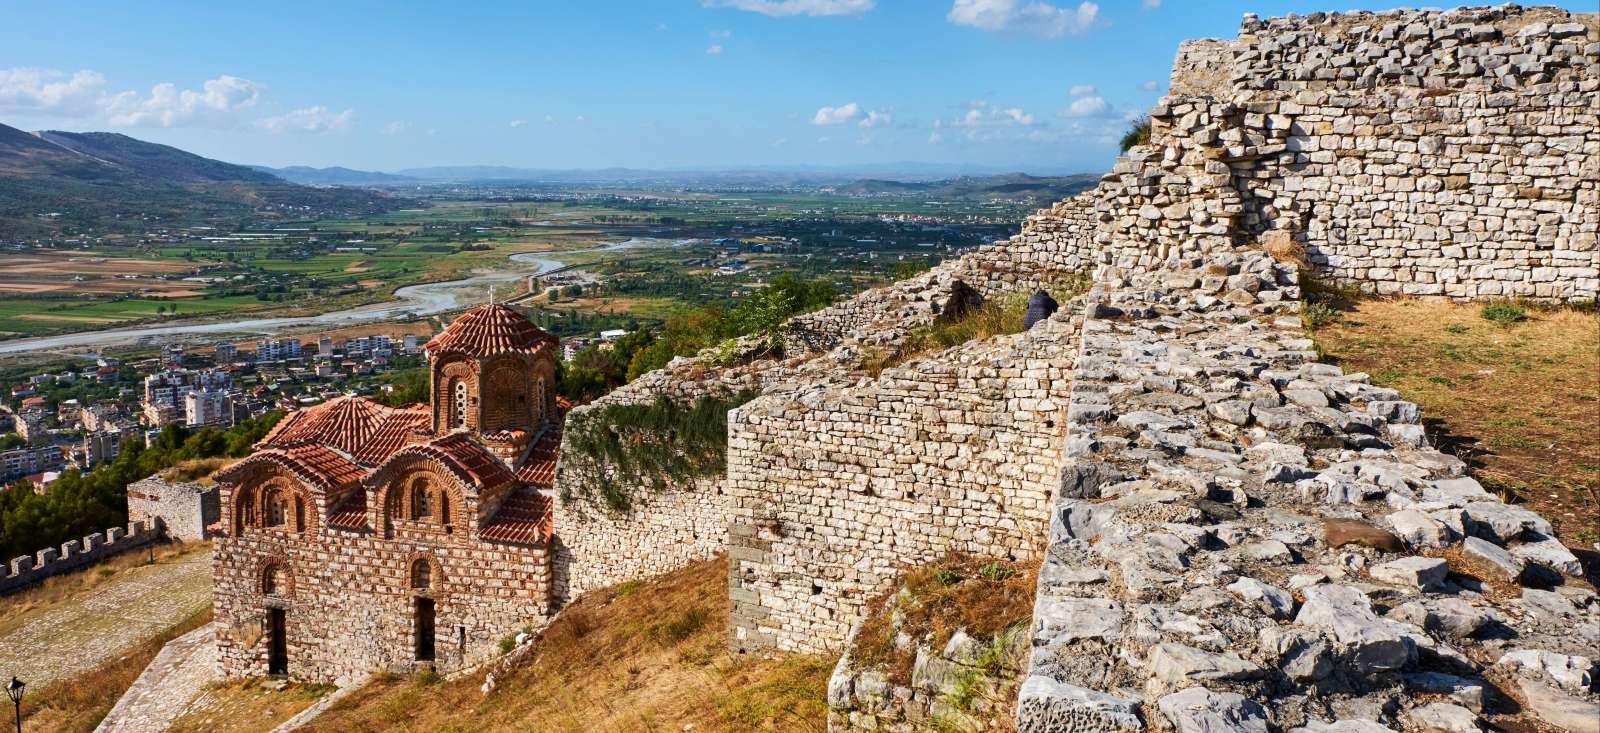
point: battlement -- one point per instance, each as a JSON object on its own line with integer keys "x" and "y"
{"x": 26, "y": 570}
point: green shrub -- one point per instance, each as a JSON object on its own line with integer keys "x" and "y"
{"x": 1503, "y": 313}
{"x": 1319, "y": 315}
{"x": 1138, "y": 134}
{"x": 649, "y": 445}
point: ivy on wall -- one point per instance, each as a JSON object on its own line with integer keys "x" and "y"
{"x": 623, "y": 448}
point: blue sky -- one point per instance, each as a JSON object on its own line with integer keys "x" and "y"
{"x": 1017, "y": 84}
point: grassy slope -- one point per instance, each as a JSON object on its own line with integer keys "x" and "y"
{"x": 641, "y": 656}
{"x": 1518, "y": 402}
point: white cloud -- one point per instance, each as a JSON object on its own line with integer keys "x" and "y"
{"x": 580, "y": 119}
{"x": 549, "y": 119}
{"x": 934, "y": 138}
{"x": 779, "y": 8}
{"x": 309, "y": 119}
{"x": 836, "y": 115}
{"x": 714, "y": 49}
{"x": 1150, "y": 86}
{"x": 46, "y": 91}
{"x": 1018, "y": 116}
{"x": 980, "y": 114}
{"x": 519, "y": 123}
{"x": 1087, "y": 107}
{"x": 876, "y": 118}
{"x": 167, "y": 106}
{"x": 1150, "y": 4}
{"x": 1079, "y": 90}
{"x": 395, "y": 128}
{"x": 1021, "y": 16}
{"x": 721, "y": 34}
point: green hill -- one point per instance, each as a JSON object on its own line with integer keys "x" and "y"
{"x": 110, "y": 182}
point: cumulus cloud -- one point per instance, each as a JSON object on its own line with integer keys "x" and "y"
{"x": 1079, "y": 90}
{"x": 714, "y": 49}
{"x": 876, "y": 118}
{"x": 980, "y": 114}
{"x": 1150, "y": 86}
{"x": 836, "y": 115}
{"x": 395, "y": 128}
{"x": 780, "y": 8}
{"x": 47, "y": 91}
{"x": 1021, "y": 16}
{"x": 549, "y": 119}
{"x": 215, "y": 103}
{"x": 1095, "y": 106}
{"x": 1150, "y": 4}
{"x": 519, "y": 123}
{"x": 309, "y": 119}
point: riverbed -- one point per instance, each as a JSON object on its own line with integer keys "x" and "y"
{"x": 411, "y": 301}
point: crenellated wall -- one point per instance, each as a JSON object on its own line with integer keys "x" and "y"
{"x": 29, "y": 569}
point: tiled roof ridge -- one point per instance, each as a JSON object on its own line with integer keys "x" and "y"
{"x": 489, "y": 329}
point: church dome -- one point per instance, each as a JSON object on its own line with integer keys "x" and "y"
{"x": 488, "y": 330}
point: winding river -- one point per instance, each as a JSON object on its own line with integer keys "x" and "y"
{"x": 411, "y": 301}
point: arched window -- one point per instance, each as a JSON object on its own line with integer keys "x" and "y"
{"x": 460, "y": 399}
{"x": 274, "y": 580}
{"x": 277, "y": 507}
{"x": 421, "y": 498}
{"x": 421, "y": 574}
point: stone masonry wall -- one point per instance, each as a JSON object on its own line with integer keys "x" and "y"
{"x": 839, "y": 487}
{"x": 26, "y": 570}
{"x": 185, "y": 509}
{"x": 1451, "y": 153}
{"x": 1245, "y": 539}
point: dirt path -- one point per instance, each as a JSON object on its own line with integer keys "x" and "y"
{"x": 172, "y": 682}
{"x": 75, "y": 636}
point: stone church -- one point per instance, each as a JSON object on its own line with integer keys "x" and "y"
{"x": 359, "y": 536}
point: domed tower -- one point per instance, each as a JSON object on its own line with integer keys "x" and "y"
{"x": 493, "y": 375}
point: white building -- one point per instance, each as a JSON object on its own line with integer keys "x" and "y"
{"x": 207, "y": 407}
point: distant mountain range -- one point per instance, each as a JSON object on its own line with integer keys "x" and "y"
{"x": 334, "y": 176}
{"x": 112, "y": 181}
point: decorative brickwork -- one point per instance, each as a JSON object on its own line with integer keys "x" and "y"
{"x": 363, "y": 537}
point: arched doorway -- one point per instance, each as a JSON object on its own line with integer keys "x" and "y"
{"x": 423, "y": 613}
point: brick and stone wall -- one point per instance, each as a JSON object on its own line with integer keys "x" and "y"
{"x": 186, "y": 509}
{"x": 26, "y": 570}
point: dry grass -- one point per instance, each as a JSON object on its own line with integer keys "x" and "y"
{"x": 984, "y": 596}
{"x": 198, "y": 469}
{"x": 245, "y": 706}
{"x": 996, "y": 317}
{"x": 24, "y": 605}
{"x": 78, "y": 704}
{"x": 1518, "y": 401}
{"x": 641, "y": 656}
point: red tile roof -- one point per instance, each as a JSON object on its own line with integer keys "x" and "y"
{"x": 524, "y": 518}
{"x": 466, "y": 458}
{"x": 352, "y": 512}
{"x": 357, "y": 426}
{"x": 539, "y": 468}
{"x": 317, "y": 465}
{"x": 490, "y": 329}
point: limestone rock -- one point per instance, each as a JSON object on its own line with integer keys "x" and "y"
{"x": 1199, "y": 710}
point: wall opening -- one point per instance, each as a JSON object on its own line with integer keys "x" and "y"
{"x": 277, "y": 642}
{"x": 424, "y": 630}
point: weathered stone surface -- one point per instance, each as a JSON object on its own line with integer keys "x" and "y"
{"x": 1199, "y": 710}
{"x": 1370, "y": 644}
{"x": 1425, "y": 573}
{"x": 1443, "y": 717}
{"x": 1493, "y": 557}
{"x": 1564, "y": 711}
{"x": 1048, "y": 706}
{"x": 1341, "y": 532}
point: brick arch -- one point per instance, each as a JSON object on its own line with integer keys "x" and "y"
{"x": 274, "y": 576}
{"x": 507, "y": 396}
{"x": 395, "y": 485}
{"x": 272, "y": 498}
{"x": 437, "y": 584}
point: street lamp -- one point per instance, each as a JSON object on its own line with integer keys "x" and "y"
{"x": 14, "y": 691}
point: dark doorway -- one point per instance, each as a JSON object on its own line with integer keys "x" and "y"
{"x": 424, "y": 629}
{"x": 277, "y": 643}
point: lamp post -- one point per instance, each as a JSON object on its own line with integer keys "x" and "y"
{"x": 14, "y": 691}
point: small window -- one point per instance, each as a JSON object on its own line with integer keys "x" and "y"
{"x": 421, "y": 574}
{"x": 277, "y": 508}
{"x": 274, "y": 580}
{"x": 460, "y": 398}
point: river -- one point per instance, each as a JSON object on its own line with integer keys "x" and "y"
{"x": 411, "y": 301}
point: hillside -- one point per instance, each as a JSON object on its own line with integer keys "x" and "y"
{"x": 647, "y": 655}
{"x": 51, "y": 179}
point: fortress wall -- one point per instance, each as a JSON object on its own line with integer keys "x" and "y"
{"x": 1429, "y": 153}
{"x": 184, "y": 509}
{"x": 837, "y": 490}
{"x": 26, "y": 570}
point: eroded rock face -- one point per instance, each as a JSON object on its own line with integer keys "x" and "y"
{"x": 1290, "y": 562}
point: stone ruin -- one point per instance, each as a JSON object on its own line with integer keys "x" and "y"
{"x": 1233, "y": 536}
